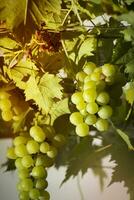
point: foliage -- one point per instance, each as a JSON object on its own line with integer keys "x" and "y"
{"x": 43, "y": 45}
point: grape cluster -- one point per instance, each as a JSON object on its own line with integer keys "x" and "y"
{"x": 11, "y": 106}
{"x": 33, "y": 152}
{"x": 92, "y": 99}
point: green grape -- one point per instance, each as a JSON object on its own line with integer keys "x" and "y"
{"x": 80, "y": 76}
{"x": 92, "y": 108}
{"x": 5, "y": 104}
{"x": 77, "y": 97}
{"x": 90, "y": 119}
{"x": 110, "y": 80}
{"x": 59, "y": 140}
{"x": 32, "y": 147}
{"x": 18, "y": 163}
{"x": 87, "y": 79}
{"x": 26, "y": 184}
{"x": 89, "y": 85}
{"x": 81, "y": 105}
{"x": 27, "y": 161}
{"x": 105, "y": 112}
{"x": 39, "y": 172}
{"x": 44, "y": 160}
{"x": 34, "y": 193}
{"x": 11, "y": 153}
{"x": 44, "y": 147}
{"x": 108, "y": 70}
{"x": 41, "y": 184}
{"x": 102, "y": 125}
{"x": 83, "y": 112}
{"x": 76, "y": 118}
{"x": 95, "y": 76}
{"x": 89, "y": 95}
{"x": 82, "y": 129}
{"x": 103, "y": 98}
{"x": 7, "y": 115}
{"x": 52, "y": 153}
{"x": 21, "y": 150}
{"x": 89, "y": 67}
{"x": 4, "y": 95}
{"x": 20, "y": 140}
{"x": 23, "y": 173}
{"x": 49, "y": 132}
{"x": 37, "y": 133}
{"x": 100, "y": 85}
{"x": 24, "y": 195}
{"x": 44, "y": 195}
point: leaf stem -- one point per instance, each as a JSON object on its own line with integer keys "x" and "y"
{"x": 79, "y": 188}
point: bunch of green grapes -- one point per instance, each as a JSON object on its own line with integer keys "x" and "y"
{"x": 92, "y": 99}
{"x": 11, "y": 105}
{"x": 33, "y": 153}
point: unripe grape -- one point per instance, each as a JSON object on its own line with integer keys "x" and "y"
{"x": 90, "y": 119}
{"x": 44, "y": 147}
{"x": 52, "y": 153}
{"x": 108, "y": 70}
{"x": 89, "y": 67}
{"x": 18, "y": 163}
{"x": 4, "y": 95}
{"x": 90, "y": 85}
{"x": 81, "y": 105}
{"x": 83, "y": 112}
{"x": 27, "y": 161}
{"x": 44, "y": 195}
{"x": 102, "y": 125}
{"x": 34, "y": 193}
{"x": 80, "y": 76}
{"x": 39, "y": 172}
{"x": 77, "y": 97}
{"x": 87, "y": 79}
{"x": 24, "y": 195}
{"x": 105, "y": 112}
{"x": 23, "y": 173}
{"x": 103, "y": 98}
{"x": 32, "y": 147}
{"x": 92, "y": 108}
{"x": 20, "y": 140}
{"x": 21, "y": 150}
{"x": 26, "y": 184}
{"x": 82, "y": 130}
{"x": 96, "y": 76}
{"x": 11, "y": 153}
{"x": 41, "y": 184}
{"x": 44, "y": 160}
{"x": 37, "y": 133}
{"x": 76, "y": 118}
{"x": 5, "y": 104}
{"x": 7, "y": 115}
{"x": 100, "y": 85}
{"x": 89, "y": 95}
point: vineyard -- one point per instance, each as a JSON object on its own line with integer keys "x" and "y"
{"x": 67, "y": 79}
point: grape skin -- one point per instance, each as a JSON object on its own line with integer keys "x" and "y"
{"x": 82, "y": 129}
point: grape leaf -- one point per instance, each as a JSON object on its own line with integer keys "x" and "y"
{"x": 127, "y": 17}
{"x": 22, "y": 69}
{"x": 87, "y": 48}
{"x": 128, "y": 90}
{"x": 58, "y": 109}
{"x": 130, "y": 68}
{"x": 43, "y": 90}
{"x": 82, "y": 157}
{"x": 8, "y": 44}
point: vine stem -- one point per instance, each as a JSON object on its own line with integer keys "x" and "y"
{"x": 79, "y": 188}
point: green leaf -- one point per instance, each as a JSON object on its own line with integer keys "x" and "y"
{"x": 43, "y": 91}
{"x": 87, "y": 48}
{"x": 126, "y": 139}
{"x": 130, "y": 68}
{"x": 13, "y": 11}
{"x": 58, "y": 109}
{"x": 8, "y": 43}
{"x": 128, "y": 90}
{"x": 129, "y": 16}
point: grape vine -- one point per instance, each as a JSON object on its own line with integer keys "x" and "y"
{"x": 66, "y": 71}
